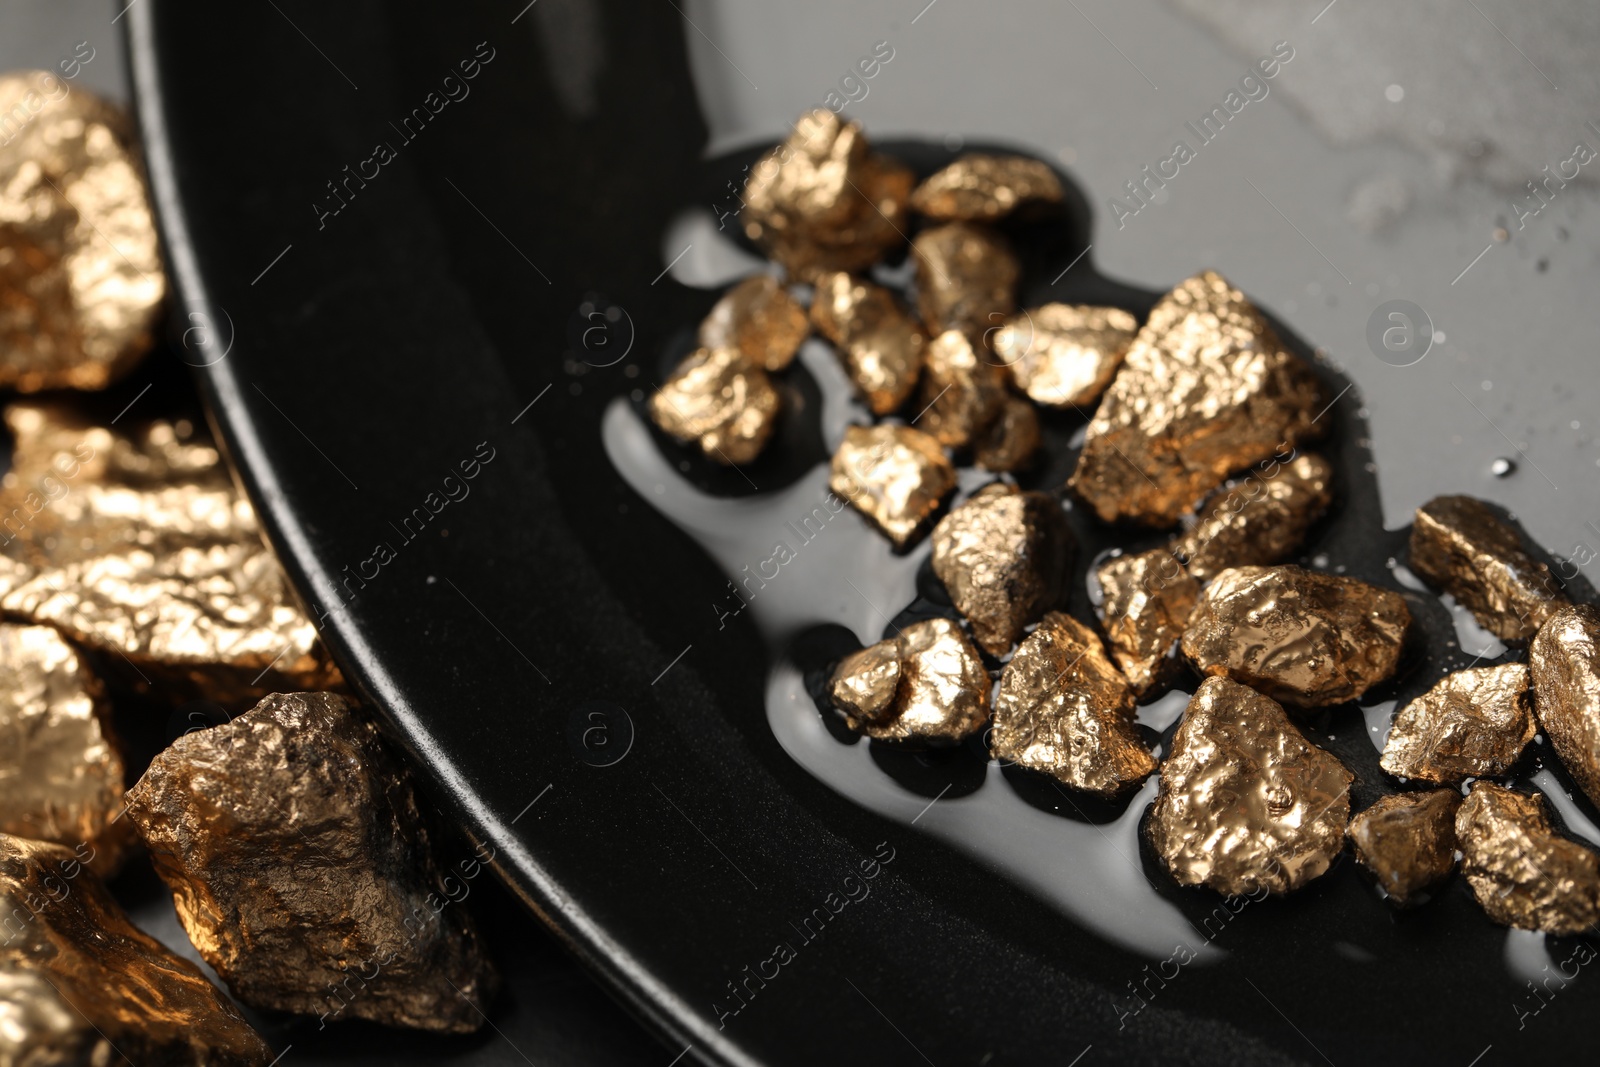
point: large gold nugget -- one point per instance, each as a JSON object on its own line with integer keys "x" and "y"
{"x": 136, "y": 542}
{"x": 1523, "y": 873}
{"x": 1408, "y": 843}
{"x": 1246, "y": 802}
{"x": 983, "y": 188}
{"x": 1146, "y": 600}
{"x": 299, "y": 862}
{"x": 962, "y": 393}
{"x": 1301, "y": 637}
{"x": 966, "y": 278}
{"x": 1012, "y": 439}
{"x": 1463, "y": 548}
{"x": 1064, "y": 355}
{"x": 1065, "y": 710}
{"x": 881, "y": 346}
{"x": 1207, "y": 389}
{"x": 1002, "y": 554}
{"x": 864, "y": 684}
{"x": 79, "y": 985}
{"x": 1261, "y": 521}
{"x": 925, "y": 685}
{"x": 1565, "y": 658}
{"x": 81, "y": 282}
{"x": 1472, "y": 724}
{"x": 894, "y": 475}
{"x": 721, "y": 401}
{"x": 760, "y": 319}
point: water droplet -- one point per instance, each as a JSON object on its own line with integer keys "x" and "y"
{"x": 1394, "y": 94}
{"x": 1502, "y": 467}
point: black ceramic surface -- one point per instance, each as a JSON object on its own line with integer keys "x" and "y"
{"x": 384, "y": 334}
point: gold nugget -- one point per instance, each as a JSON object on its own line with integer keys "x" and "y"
{"x": 942, "y": 692}
{"x": 1064, "y": 355}
{"x": 1012, "y": 439}
{"x": 1463, "y": 548}
{"x": 1407, "y": 843}
{"x": 1246, "y": 803}
{"x": 1304, "y": 638}
{"x": 1523, "y": 873}
{"x": 1146, "y": 600}
{"x": 1472, "y": 724}
{"x": 894, "y": 475}
{"x": 881, "y": 346}
{"x": 720, "y": 400}
{"x": 1065, "y": 710}
{"x": 962, "y": 393}
{"x": 1260, "y": 521}
{"x": 983, "y": 188}
{"x": 1565, "y": 658}
{"x": 864, "y": 684}
{"x": 966, "y": 278}
{"x": 1207, "y": 389}
{"x": 760, "y": 319}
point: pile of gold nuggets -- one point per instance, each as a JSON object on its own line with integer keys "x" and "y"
{"x": 1201, "y": 393}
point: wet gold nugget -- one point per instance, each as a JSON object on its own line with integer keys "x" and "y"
{"x": 1002, "y": 554}
{"x": 966, "y": 278}
{"x": 1260, "y": 521}
{"x": 962, "y": 393}
{"x": 894, "y": 475}
{"x": 81, "y": 282}
{"x": 1472, "y": 724}
{"x": 1064, "y": 355}
{"x": 720, "y": 400}
{"x": 1146, "y": 601}
{"x": 941, "y": 695}
{"x": 1565, "y": 661}
{"x": 1207, "y": 389}
{"x": 1407, "y": 842}
{"x": 300, "y": 864}
{"x": 1463, "y": 548}
{"x": 983, "y": 188}
{"x": 1065, "y": 710}
{"x": 760, "y": 319}
{"x": 1246, "y": 802}
{"x": 1523, "y": 873}
{"x": 1304, "y": 638}
{"x": 1012, "y": 439}
{"x": 79, "y": 985}
{"x": 880, "y": 345}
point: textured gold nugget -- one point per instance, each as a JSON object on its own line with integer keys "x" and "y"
{"x": 881, "y": 346}
{"x": 79, "y": 985}
{"x": 1463, "y": 548}
{"x": 1565, "y": 661}
{"x": 1002, "y": 554}
{"x": 760, "y": 319}
{"x": 1246, "y": 803}
{"x": 300, "y": 865}
{"x": 1304, "y": 638}
{"x": 721, "y": 401}
{"x": 81, "y": 281}
{"x": 865, "y": 683}
{"x": 1065, "y": 710}
{"x": 1262, "y": 520}
{"x": 1207, "y": 389}
{"x": 1523, "y": 873}
{"x": 938, "y": 694}
{"x": 983, "y": 188}
{"x": 1146, "y": 600}
{"x": 1012, "y": 439}
{"x": 1472, "y": 724}
{"x": 962, "y": 393}
{"x": 966, "y": 278}
{"x": 1064, "y": 355}
{"x": 894, "y": 475}
{"x": 1407, "y": 842}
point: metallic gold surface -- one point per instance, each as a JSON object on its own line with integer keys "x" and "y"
{"x": 1207, "y": 389}
{"x": 1407, "y": 842}
{"x": 1012, "y": 439}
{"x": 760, "y": 319}
{"x": 983, "y": 188}
{"x": 1064, "y": 355}
{"x": 1065, "y": 710}
{"x": 721, "y": 400}
{"x": 1565, "y": 662}
{"x": 1260, "y": 521}
{"x": 880, "y": 345}
{"x": 1463, "y": 548}
{"x": 894, "y": 475}
{"x": 1002, "y": 554}
{"x": 79, "y": 985}
{"x": 1472, "y": 724}
{"x": 962, "y": 393}
{"x": 1523, "y": 873}
{"x": 966, "y": 278}
{"x": 81, "y": 282}
{"x": 864, "y": 684}
{"x": 1146, "y": 600}
{"x": 1298, "y": 636}
{"x": 301, "y": 868}
{"x": 936, "y": 692}
{"x": 1246, "y": 803}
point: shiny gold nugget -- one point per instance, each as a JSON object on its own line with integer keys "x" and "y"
{"x": 1523, "y": 873}
{"x": 962, "y": 393}
{"x": 894, "y": 475}
{"x": 941, "y": 696}
{"x": 1407, "y": 842}
{"x": 1460, "y": 546}
{"x": 1472, "y": 724}
{"x": 1565, "y": 661}
{"x": 983, "y": 188}
{"x": 1064, "y": 355}
{"x": 760, "y": 319}
{"x": 881, "y": 346}
{"x": 1012, "y": 439}
{"x": 1304, "y": 638}
{"x": 720, "y": 400}
{"x": 1146, "y": 601}
{"x": 1261, "y": 521}
{"x": 966, "y": 278}
{"x": 865, "y": 683}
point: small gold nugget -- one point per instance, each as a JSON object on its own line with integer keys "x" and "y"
{"x": 721, "y": 400}
{"x": 894, "y": 475}
{"x": 81, "y": 282}
{"x": 1460, "y": 546}
{"x": 962, "y": 393}
{"x": 983, "y": 188}
{"x": 966, "y": 278}
{"x": 1523, "y": 873}
{"x": 1064, "y": 355}
{"x": 864, "y": 684}
{"x": 1146, "y": 601}
{"x": 1065, "y": 710}
{"x": 880, "y": 345}
{"x": 1408, "y": 843}
{"x": 80, "y": 985}
{"x": 1207, "y": 389}
{"x": 1002, "y": 554}
{"x": 760, "y": 319}
{"x": 940, "y": 693}
{"x": 1301, "y": 637}
{"x": 300, "y": 863}
{"x": 1565, "y": 659}
{"x": 1012, "y": 439}
{"x": 1260, "y": 521}
{"x": 1246, "y": 802}
{"x": 1472, "y": 724}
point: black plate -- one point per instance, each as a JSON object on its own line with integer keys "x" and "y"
{"x": 434, "y": 319}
